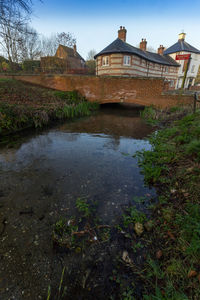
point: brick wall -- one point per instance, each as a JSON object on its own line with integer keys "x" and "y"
{"x": 144, "y": 91}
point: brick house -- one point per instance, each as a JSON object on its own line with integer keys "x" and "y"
{"x": 188, "y": 70}
{"x": 66, "y": 60}
{"x": 122, "y": 59}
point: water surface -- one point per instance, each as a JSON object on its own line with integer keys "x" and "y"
{"x": 40, "y": 180}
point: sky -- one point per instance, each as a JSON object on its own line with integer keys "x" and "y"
{"x": 95, "y": 23}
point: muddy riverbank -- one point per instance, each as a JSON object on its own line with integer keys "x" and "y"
{"x": 40, "y": 182}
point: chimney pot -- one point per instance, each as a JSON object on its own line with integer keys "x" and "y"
{"x": 122, "y": 33}
{"x": 161, "y": 50}
{"x": 143, "y": 45}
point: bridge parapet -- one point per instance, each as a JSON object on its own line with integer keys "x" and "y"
{"x": 136, "y": 90}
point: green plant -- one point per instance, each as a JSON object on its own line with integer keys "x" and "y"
{"x": 83, "y": 207}
{"x": 193, "y": 148}
{"x": 150, "y": 115}
{"x": 133, "y": 215}
{"x": 60, "y": 227}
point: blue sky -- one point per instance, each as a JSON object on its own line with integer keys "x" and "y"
{"x": 95, "y": 23}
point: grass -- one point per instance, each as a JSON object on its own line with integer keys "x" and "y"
{"x": 23, "y": 105}
{"x": 173, "y": 166}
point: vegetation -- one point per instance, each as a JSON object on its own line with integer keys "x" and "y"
{"x": 23, "y": 105}
{"x": 173, "y": 166}
{"x": 165, "y": 117}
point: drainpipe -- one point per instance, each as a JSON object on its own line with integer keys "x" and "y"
{"x": 148, "y": 70}
{"x": 185, "y": 74}
{"x": 162, "y": 71}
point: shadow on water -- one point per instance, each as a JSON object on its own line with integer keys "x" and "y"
{"x": 41, "y": 178}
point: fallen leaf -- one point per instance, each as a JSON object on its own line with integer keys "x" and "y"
{"x": 192, "y": 273}
{"x": 171, "y": 235}
{"x": 159, "y": 254}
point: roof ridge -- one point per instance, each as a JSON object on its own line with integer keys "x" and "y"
{"x": 119, "y": 46}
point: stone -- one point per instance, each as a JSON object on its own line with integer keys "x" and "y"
{"x": 126, "y": 258}
{"x": 138, "y": 228}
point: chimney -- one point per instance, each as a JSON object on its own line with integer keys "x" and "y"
{"x": 74, "y": 48}
{"x": 122, "y": 33}
{"x": 143, "y": 45}
{"x": 181, "y": 36}
{"x": 161, "y": 50}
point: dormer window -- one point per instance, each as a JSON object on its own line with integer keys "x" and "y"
{"x": 105, "y": 61}
{"x": 127, "y": 60}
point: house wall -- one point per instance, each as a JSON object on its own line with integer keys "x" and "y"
{"x": 61, "y": 53}
{"x": 192, "y": 71}
{"x": 112, "y": 89}
{"x": 138, "y": 67}
{"x": 197, "y": 80}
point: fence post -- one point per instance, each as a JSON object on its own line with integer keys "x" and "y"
{"x": 196, "y": 99}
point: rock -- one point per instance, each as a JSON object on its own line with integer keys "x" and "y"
{"x": 149, "y": 225}
{"x": 192, "y": 273}
{"x": 138, "y": 228}
{"x": 126, "y": 257}
{"x": 159, "y": 254}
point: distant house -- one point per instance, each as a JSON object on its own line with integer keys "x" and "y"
{"x": 122, "y": 59}
{"x": 66, "y": 60}
{"x": 188, "y": 69}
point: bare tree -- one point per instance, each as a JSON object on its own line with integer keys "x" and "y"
{"x": 10, "y": 36}
{"x": 90, "y": 62}
{"x": 50, "y": 44}
{"x": 91, "y": 54}
{"x": 65, "y": 39}
{"x": 29, "y": 44}
{"x": 16, "y": 4}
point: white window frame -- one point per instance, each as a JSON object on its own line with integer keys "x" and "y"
{"x": 105, "y": 61}
{"x": 127, "y": 60}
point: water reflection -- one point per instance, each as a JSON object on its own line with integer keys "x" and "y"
{"x": 91, "y": 157}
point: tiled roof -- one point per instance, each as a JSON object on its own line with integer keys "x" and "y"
{"x": 181, "y": 45}
{"x": 70, "y": 52}
{"x": 118, "y": 46}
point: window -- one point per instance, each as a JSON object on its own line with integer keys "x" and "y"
{"x": 193, "y": 68}
{"x": 105, "y": 61}
{"x": 127, "y": 60}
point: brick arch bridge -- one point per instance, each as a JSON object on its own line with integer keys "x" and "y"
{"x": 136, "y": 90}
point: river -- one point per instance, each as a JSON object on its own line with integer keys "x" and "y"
{"x": 42, "y": 176}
